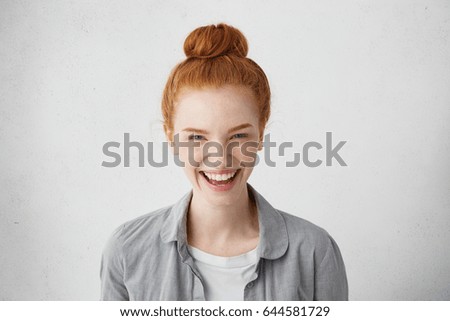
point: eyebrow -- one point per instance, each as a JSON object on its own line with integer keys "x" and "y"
{"x": 202, "y": 131}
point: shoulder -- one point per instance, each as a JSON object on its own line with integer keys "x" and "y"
{"x": 299, "y": 231}
{"x": 317, "y": 252}
{"x": 305, "y": 235}
{"x": 300, "y": 228}
{"x": 140, "y": 230}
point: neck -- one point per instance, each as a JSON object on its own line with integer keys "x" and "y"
{"x": 215, "y": 224}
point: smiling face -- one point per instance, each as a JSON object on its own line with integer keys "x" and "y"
{"x": 223, "y": 123}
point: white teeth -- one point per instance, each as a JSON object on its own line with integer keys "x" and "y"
{"x": 219, "y": 177}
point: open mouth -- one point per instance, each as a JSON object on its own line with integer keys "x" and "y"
{"x": 220, "y": 179}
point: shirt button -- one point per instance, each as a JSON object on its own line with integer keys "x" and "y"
{"x": 250, "y": 285}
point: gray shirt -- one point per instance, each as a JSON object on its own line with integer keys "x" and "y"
{"x": 147, "y": 259}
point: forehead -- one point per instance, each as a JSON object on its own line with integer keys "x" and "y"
{"x": 226, "y": 105}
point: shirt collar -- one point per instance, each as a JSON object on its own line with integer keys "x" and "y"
{"x": 273, "y": 237}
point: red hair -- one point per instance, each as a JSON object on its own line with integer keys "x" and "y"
{"x": 216, "y": 56}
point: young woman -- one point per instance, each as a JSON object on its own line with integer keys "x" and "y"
{"x": 222, "y": 240}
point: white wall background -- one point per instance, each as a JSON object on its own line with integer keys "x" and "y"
{"x": 77, "y": 74}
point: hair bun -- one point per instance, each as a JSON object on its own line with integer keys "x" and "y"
{"x": 213, "y": 41}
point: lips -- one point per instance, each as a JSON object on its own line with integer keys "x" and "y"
{"x": 220, "y": 178}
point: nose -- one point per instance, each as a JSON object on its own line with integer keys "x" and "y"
{"x": 217, "y": 155}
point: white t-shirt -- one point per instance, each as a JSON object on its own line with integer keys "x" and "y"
{"x": 224, "y": 277}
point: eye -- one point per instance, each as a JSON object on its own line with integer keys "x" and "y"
{"x": 195, "y": 137}
{"x": 240, "y": 135}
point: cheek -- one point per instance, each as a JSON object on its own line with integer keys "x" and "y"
{"x": 190, "y": 164}
{"x": 245, "y": 153}
{"x": 197, "y": 155}
{"x": 191, "y": 157}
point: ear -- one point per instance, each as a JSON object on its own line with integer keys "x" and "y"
{"x": 260, "y": 142}
{"x": 169, "y": 137}
{"x": 260, "y": 145}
